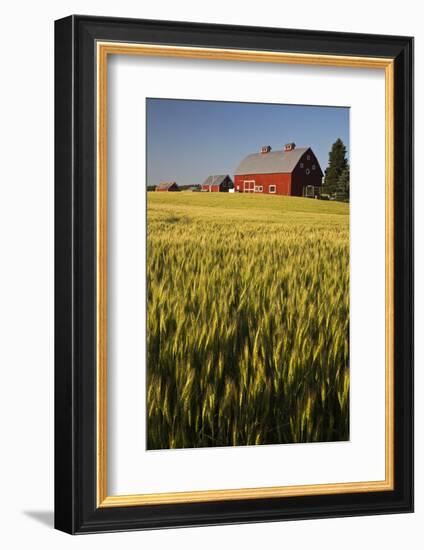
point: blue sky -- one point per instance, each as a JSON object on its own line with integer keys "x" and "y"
{"x": 189, "y": 140}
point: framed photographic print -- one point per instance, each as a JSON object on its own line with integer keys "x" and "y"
{"x": 234, "y": 274}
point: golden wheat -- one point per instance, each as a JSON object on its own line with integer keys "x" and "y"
{"x": 247, "y": 320}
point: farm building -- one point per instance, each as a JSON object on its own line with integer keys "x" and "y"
{"x": 167, "y": 186}
{"x": 218, "y": 184}
{"x": 292, "y": 171}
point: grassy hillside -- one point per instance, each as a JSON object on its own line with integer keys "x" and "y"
{"x": 248, "y": 316}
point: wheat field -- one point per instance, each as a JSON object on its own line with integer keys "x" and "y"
{"x": 247, "y": 320}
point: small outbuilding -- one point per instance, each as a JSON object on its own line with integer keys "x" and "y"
{"x": 167, "y": 186}
{"x": 218, "y": 184}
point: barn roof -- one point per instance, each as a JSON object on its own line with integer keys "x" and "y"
{"x": 216, "y": 180}
{"x": 166, "y": 184}
{"x": 273, "y": 162}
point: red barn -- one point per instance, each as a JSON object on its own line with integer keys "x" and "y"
{"x": 293, "y": 171}
{"x": 167, "y": 186}
{"x": 218, "y": 184}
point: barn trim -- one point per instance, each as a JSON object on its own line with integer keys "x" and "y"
{"x": 250, "y": 187}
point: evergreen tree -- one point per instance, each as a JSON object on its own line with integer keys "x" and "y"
{"x": 337, "y": 164}
{"x": 344, "y": 182}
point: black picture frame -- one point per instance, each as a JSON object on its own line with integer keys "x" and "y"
{"x": 76, "y": 510}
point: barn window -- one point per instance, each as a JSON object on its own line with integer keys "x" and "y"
{"x": 307, "y": 171}
{"x": 301, "y": 164}
{"x": 258, "y": 188}
{"x": 308, "y": 157}
{"x": 313, "y": 167}
{"x": 272, "y": 188}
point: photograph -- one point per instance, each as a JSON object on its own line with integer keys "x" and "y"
{"x": 211, "y": 299}
{"x": 233, "y": 253}
{"x": 247, "y": 273}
